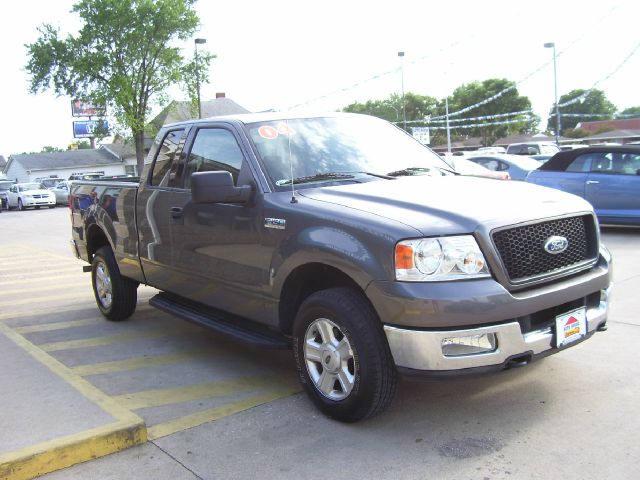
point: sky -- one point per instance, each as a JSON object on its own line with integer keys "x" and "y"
{"x": 322, "y": 56}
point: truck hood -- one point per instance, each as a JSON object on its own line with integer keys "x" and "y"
{"x": 449, "y": 205}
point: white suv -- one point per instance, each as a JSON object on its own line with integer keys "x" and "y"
{"x": 533, "y": 148}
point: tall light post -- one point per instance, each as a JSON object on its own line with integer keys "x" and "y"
{"x": 198, "y": 41}
{"x": 404, "y": 112}
{"x": 555, "y": 88}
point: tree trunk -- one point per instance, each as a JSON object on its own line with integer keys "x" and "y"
{"x": 140, "y": 154}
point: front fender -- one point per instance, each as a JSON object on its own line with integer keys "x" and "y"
{"x": 332, "y": 247}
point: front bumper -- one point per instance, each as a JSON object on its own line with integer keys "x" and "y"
{"x": 38, "y": 202}
{"x": 416, "y": 351}
{"x": 417, "y": 317}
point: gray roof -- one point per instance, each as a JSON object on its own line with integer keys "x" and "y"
{"x": 523, "y": 138}
{"x": 3, "y": 162}
{"x": 179, "y": 111}
{"x": 70, "y": 158}
{"x": 614, "y": 134}
{"x": 120, "y": 150}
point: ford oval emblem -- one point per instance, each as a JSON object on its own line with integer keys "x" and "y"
{"x": 556, "y": 244}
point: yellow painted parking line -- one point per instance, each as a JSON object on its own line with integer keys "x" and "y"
{"x": 39, "y": 264}
{"x": 13, "y": 315}
{"x": 190, "y": 421}
{"x": 128, "y": 429}
{"x": 113, "y": 339}
{"x": 168, "y": 396}
{"x": 50, "y": 327}
{"x": 17, "y": 250}
{"x": 76, "y": 295}
{"x": 41, "y": 279}
{"x": 49, "y": 288}
{"x": 138, "y": 363}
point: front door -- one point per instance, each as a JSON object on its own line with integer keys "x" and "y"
{"x": 217, "y": 248}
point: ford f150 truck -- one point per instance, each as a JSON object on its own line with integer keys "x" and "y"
{"x": 343, "y": 238}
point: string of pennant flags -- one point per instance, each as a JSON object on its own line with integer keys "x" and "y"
{"x": 484, "y": 124}
{"x": 498, "y": 94}
{"x": 440, "y": 119}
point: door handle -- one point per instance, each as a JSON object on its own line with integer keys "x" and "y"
{"x": 592, "y": 182}
{"x": 176, "y": 212}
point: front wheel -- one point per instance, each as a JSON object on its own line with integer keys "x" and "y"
{"x": 342, "y": 355}
{"x": 20, "y": 205}
{"x": 116, "y": 295}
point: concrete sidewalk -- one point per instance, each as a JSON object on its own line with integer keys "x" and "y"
{"x": 51, "y": 417}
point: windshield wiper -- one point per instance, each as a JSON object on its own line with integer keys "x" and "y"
{"x": 316, "y": 177}
{"x": 409, "y": 171}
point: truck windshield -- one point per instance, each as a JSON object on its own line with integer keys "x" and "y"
{"x": 339, "y": 149}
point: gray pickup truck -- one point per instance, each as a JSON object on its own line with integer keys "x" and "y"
{"x": 343, "y": 238}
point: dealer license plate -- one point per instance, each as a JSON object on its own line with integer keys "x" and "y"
{"x": 571, "y": 326}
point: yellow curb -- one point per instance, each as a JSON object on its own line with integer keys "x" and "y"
{"x": 128, "y": 429}
{"x": 63, "y": 452}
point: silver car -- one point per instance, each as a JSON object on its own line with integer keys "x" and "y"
{"x": 61, "y": 191}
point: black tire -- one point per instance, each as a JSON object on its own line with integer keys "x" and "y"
{"x": 52, "y": 206}
{"x": 365, "y": 365}
{"x": 115, "y": 295}
{"x": 20, "y": 205}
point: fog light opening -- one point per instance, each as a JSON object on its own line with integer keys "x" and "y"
{"x": 469, "y": 345}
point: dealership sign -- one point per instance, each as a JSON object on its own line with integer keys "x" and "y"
{"x": 421, "y": 134}
{"x": 85, "y": 109}
{"x": 90, "y": 128}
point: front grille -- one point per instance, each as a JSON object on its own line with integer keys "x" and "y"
{"x": 524, "y": 257}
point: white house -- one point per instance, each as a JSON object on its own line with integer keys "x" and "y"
{"x": 113, "y": 159}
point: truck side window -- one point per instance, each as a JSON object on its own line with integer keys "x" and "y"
{"x": 161, "y": 173}
{"x": 214, "y": 149}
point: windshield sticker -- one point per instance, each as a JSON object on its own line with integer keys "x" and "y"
{"x": 285, "y": 129}
{"x": 268, "y": 132}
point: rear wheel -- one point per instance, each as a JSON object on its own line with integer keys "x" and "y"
{"x": 342, "y": 355}
{"x": 116, "y": 295}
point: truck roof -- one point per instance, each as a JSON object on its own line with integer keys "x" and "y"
{"x": 247, "y": 118}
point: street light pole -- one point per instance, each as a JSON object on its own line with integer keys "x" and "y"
{"x": 198, "y": 41}
{"x": 404, "y": 112}
{"x": 555, "y": 88}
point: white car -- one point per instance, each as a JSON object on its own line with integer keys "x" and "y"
{"x": 25, "y": 195}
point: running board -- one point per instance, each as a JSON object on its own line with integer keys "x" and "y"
{"x": 238, "y": 328}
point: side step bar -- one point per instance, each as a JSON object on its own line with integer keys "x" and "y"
{"x": 238, "y": 328}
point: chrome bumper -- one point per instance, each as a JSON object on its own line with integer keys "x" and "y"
{"x": 422, "y": 350}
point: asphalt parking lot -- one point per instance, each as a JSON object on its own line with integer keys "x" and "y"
{"x": 213, "y": 409}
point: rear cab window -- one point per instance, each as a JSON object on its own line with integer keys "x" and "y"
{"x": 165, "y": 164}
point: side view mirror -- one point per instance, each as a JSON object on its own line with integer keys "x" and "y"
{"x": 217, "y": 187}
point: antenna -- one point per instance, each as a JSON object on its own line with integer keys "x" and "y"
{"x": 293, "y": 190}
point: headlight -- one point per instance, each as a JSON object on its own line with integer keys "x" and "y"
{"x": 437, "y": 259}
{"x": 28, "y": 196}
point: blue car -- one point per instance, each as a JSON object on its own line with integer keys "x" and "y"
{"x": 608, "y": 177}
{"x": 517, "y": 166}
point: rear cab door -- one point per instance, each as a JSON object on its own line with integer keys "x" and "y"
{"x": 154, "y": 207}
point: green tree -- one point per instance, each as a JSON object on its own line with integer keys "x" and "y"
{"x": 475, "y": 93}
{"x": 591, "y": 107}
{"x": 631, "y": 111}
{"x": 416, "y": 108}
{"x": 50, "y": 149}
{"x": 123, "y": 56}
